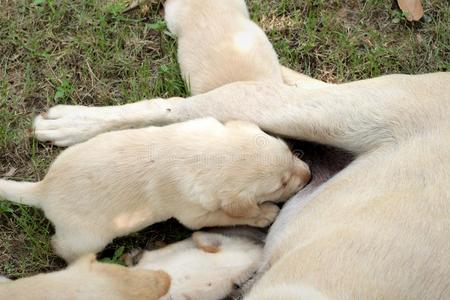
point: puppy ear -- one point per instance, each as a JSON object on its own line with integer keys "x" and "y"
{"x": 208, "y": 242}
{"x": 146, "y": 284}
{"x": 240, "y": 206}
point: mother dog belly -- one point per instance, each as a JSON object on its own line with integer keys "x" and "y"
{"x": 324, "y": 162}
{"x": 377, "y": 230}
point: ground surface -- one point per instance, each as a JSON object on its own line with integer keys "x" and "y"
{"x": 88, "y": 52}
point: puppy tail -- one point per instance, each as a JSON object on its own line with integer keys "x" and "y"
{"x": 19, "y": 192}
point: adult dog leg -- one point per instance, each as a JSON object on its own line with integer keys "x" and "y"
{"x": 65, "y": 125}
{"x": 293, "y": 78}
{"x": 357, "y": 116}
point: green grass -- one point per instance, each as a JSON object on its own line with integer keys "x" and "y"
{"x": 88, "y": 52}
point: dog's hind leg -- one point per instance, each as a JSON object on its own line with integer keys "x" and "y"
{"x": 358, "y": 116}
{"x": 65, "y": 125}
{"x": 72, "y": 245}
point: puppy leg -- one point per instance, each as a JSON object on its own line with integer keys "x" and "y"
{"x": 71, "y": 246}
{"x": 240, "y": 207}
{"x": 265, "y": 216}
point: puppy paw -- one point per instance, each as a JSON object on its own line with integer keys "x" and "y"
{"x": 267, "y": 214}
{"x": 133, "y": 258}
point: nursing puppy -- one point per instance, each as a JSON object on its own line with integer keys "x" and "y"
{"x": 380, "y": 228}
{"x": 207, "y": 266}
{"x": 219, "y": 44}
{"x": 201, "y": 172}
{"x": 88, "y": 279}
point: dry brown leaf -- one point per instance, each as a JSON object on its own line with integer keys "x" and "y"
{"x": 412, "y": 9}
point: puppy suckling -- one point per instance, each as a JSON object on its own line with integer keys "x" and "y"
{"x": 207, "y": 266}
{"x": 201, "y": 172}
{"x": 88, "y": 279}
{"x": 379, "y": 228}
{"x": 219, "y": 44}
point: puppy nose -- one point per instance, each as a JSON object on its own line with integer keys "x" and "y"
{"x": 302, "y": 171}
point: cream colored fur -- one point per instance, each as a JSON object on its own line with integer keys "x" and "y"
{"x": 219, "y": 44}
{"x": 87, "y": 279}
{"x": 206, "y": 266}
{"x": 201, "y": 172}
{"x": 380, "y": 229}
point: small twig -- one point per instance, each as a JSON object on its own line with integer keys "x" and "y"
{"x": 91, "y": 73}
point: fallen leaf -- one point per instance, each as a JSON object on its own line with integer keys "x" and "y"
{"x": 412, "y": 9}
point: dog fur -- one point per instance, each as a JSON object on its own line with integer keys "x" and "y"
{"x": 206, "y": 266}
{"x": 88, "y": 279}
{"x": 379, "y": 228}
{"x": 218, "y": 44}
{"x": 201, "y": 172}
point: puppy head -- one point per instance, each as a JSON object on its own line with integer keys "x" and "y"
{"x": 181, "y": 14}
{"x": 205, "y": 266}
{"x": 109, "y": 281}
{"x": 264, "y": 168}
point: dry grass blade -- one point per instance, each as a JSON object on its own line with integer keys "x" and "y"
{"x": 136, "y": 4}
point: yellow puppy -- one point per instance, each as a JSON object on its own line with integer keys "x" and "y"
{"x": 88, "y": 279}
{"x": 207, "y": 266}
{"x": 201, "y": 172}
{"x": 219, "y": 44}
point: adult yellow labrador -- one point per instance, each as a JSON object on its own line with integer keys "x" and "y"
{"x": 379, "y": 229}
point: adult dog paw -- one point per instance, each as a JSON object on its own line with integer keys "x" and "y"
{"x": 65, "y": 125}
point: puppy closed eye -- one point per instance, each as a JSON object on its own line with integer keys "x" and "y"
{"x": 279, "y": 187}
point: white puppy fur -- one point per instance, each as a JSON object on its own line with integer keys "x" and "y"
{"x": 378, "y": 229}
{"x": 219, "y": 44}
{"x": 206, "y": 266}
{"x": 88, "y": 279}
{"x": 201, "y": 172}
